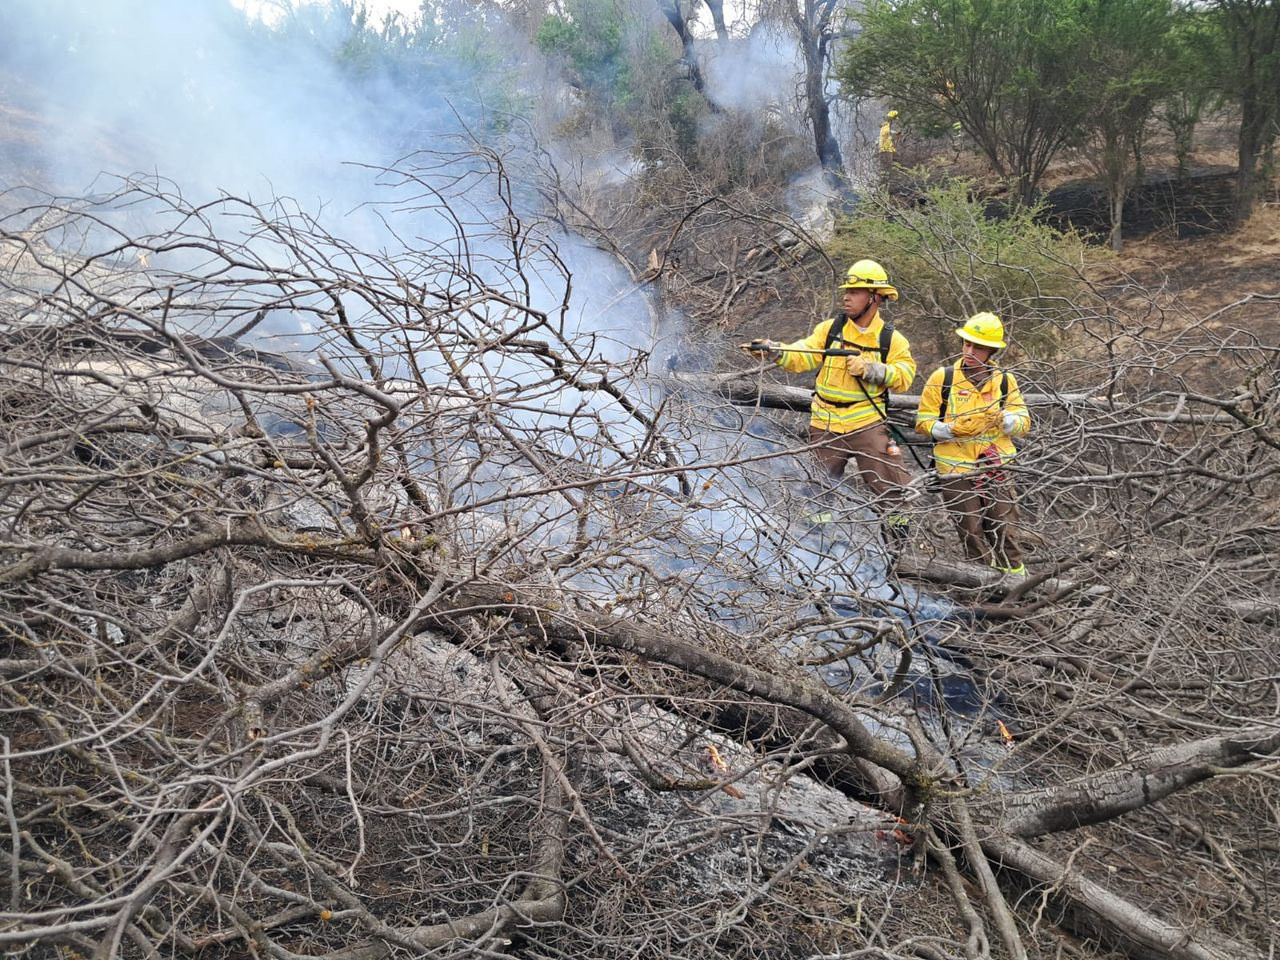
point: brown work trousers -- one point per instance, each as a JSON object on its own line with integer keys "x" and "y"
{"x": 985, "y": 509}
{"x": 868, "y": 448}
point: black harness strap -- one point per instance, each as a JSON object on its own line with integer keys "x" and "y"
{"x": 836, "y": 332}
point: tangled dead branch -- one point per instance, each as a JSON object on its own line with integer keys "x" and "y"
{"x": 356, "y": 604}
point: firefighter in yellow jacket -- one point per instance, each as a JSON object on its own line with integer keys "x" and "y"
{"x": 887, "y": 147}
{"x": 972, "y": 409}
{"x": 886, "y": 134}
{"x": 849, "y": 410}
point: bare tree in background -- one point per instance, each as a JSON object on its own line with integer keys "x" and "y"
{"x": 815, "y": 25}
{"x": 813, "y": 21}
{"x": 681, "y": 17}
{"x": 411, "y": 642}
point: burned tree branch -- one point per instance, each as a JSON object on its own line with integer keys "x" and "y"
{"x": 1129, "y": 786}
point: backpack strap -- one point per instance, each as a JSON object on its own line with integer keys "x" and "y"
{"x": 947, "y": 378}
{"x": 886, "y": 341}
{"x": 836, "y": 332}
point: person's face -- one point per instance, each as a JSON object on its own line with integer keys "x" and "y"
{"x": 855, "y": 301}
{"x": 976, "y": 355}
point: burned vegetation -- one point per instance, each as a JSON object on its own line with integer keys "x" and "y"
{"x": 382, "y": 602}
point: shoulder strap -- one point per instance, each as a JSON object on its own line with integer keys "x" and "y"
{"x": 1004, "y": 390}
{"x": 886, "y": 340}
{"x": 946, "y": 391}
{"x": 836, "y": 331}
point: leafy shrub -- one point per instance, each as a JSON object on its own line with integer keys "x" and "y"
{"x": 952, "y": 254}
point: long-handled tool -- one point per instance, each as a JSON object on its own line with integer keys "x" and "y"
{"x": 895, "y": 434}
{"x": 753, "y": 347}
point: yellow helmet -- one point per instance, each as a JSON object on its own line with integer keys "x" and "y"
{"x": 893, "y": 114}
{"x": 984, "y": 329}
{"x": 869, "y": 275}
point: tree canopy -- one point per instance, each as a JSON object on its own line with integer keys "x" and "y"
{"x": 1005, "y": 70}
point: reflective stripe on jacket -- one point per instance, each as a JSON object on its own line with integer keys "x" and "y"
{"x": 961, "y": 455}
{"x": 842, "y": 403}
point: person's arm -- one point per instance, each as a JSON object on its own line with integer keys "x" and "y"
{"x": 794, "y": 362}
{"x": 930, "y": 402}
{"x": 899, "y": 369}
{"x": 1016, "y": 421}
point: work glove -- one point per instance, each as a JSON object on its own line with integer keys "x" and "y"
{"x": 969, "y": 425}
{"x": 855, "y": 365}
{"x": 873, "y": 372}
{"x": 1009, "y": 423}
{"x": 941, "y": 431}
{"x": 762, "y": 348}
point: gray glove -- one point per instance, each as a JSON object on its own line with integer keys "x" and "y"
{"x": 941, "y": 431}
{"x": 874, "y": 372}
{"x": 1009, "y": 422}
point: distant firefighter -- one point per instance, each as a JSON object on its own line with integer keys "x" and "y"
{"x": 886, "y": 133}
{"x": 887, "y": 147}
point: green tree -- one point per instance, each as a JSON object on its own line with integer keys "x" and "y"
{"x": 1194, "y": 49}
{"x": 1251, "y": 77}
{"x": 1003, "y": 69}
{"x": 1126, "y": 71}
{"x": 626, "y": 67}
{"x": 590, "y": 40}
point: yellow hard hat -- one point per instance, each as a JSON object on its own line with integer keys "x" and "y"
{"x": 869, "y": 275}
{"x": 984, "y": 329}
{"x": 892, "y": 114}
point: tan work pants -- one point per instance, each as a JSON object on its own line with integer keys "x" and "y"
{"x": 868, "y": 448}
{"x": 985, "y": 509}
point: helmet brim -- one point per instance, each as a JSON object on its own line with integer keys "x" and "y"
{"x": 884, "y": 288}
{"x": 966, "y": 335}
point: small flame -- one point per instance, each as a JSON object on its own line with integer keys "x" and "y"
{"x": 144, "y": 260}
{"x": 1005, "y": 735}
{"x": 717, "y": 761}
{"x": 900, "y": 833}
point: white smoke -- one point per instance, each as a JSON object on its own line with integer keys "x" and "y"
{"x": 761, "y": 72}
{"x": 218, "y": 102}
{"x": 191, "y": 91}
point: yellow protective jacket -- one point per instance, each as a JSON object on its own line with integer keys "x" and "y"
{"x": 842, "y": 403}
{"x": 961, "y": 455}
{"x": 886, "y": 138}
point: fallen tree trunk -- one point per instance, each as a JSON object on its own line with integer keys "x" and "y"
{"x": 751, "y": 389}
{"x": 1033, "y": 813}
{"x": 1091, "y": 910}
{"x": 996, "y": 585}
